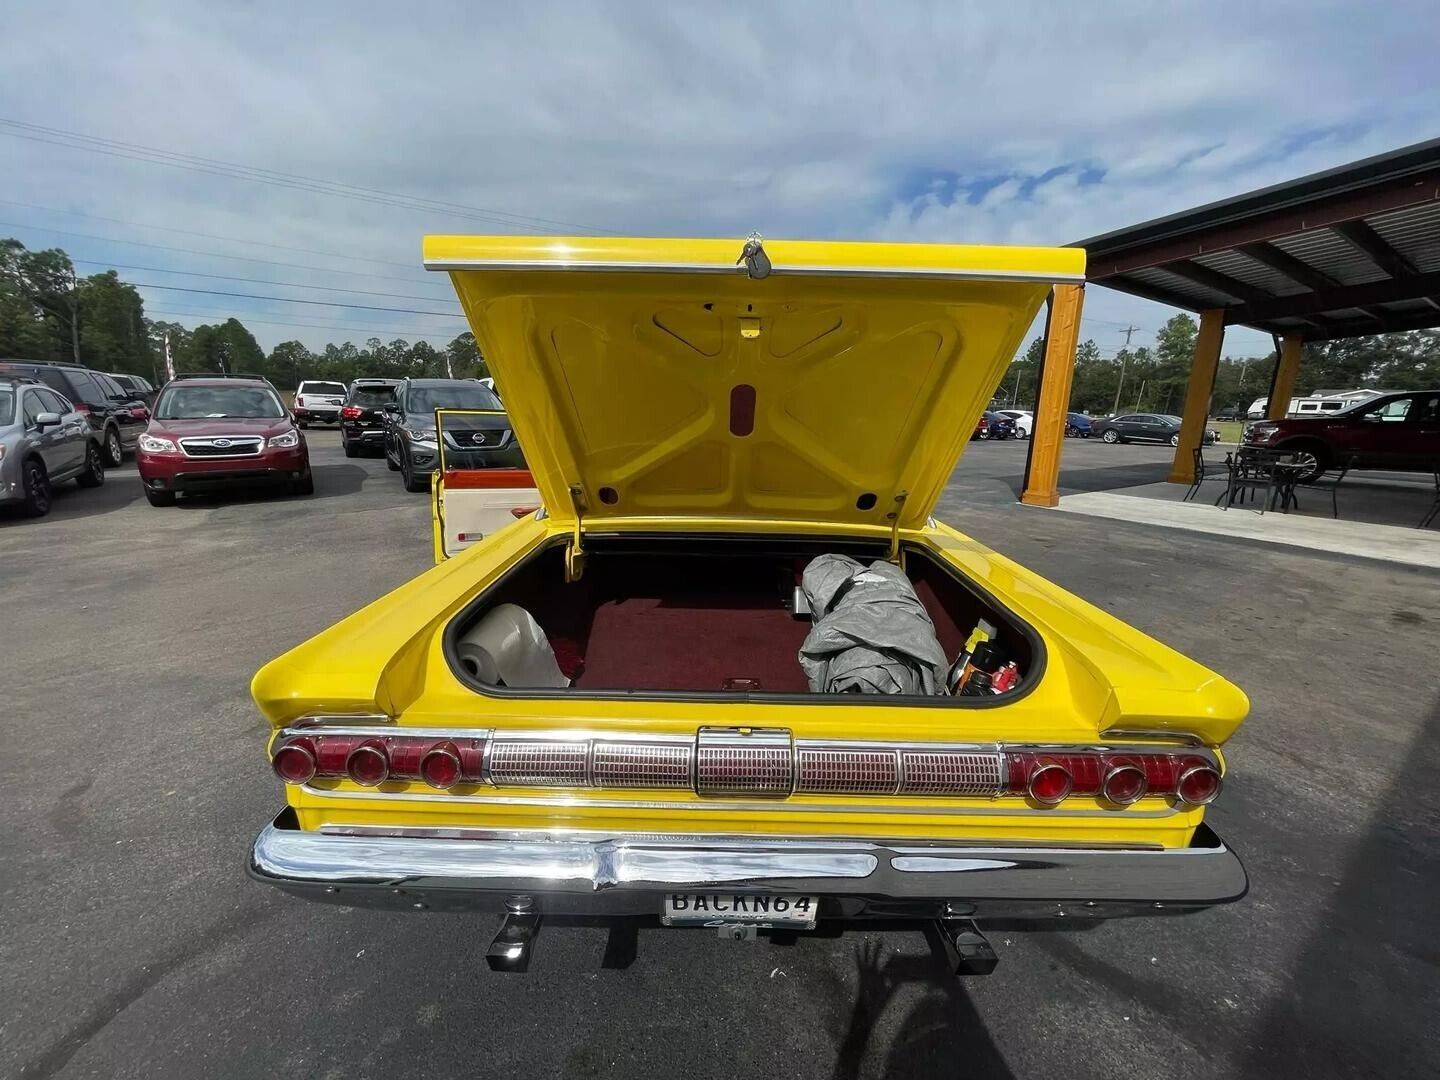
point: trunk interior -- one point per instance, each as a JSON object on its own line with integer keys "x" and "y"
{"x": 709, "y": 617}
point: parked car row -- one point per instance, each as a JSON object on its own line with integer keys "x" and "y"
{"x": 205, "y": 432}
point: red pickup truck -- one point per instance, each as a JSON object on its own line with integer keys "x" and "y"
{"x": 1399, "y": 431}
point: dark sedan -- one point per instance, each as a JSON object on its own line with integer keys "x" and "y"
{"x": 1144, "y": 427}
{"x": 1078, "y": 426}
{"x": 994, "y": 425}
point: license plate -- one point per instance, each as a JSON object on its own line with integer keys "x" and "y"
{"x": 716, "y": 909}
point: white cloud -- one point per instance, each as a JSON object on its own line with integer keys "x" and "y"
{"x": 810, "y": 120}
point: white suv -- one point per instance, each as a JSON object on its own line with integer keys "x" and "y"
{"x": 318, "y": 402}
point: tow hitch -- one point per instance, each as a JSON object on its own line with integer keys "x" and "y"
{"x": 966, "y": 950}
{"x": 510, "y": 951}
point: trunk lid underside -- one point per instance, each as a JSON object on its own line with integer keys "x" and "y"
{"x": 656, "y": 379}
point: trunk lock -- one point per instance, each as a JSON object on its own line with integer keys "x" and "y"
{"x": 757, "y": 263}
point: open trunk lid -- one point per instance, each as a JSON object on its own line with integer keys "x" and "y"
{"x": 721, "y": 379}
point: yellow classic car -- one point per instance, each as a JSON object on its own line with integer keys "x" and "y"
{"x": 600, "y": 709}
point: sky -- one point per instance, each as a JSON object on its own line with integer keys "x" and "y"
{"x": 1031, "y": 123}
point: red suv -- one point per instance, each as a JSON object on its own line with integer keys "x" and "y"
{"x": 1398, "y": 431}
{"x": 216, "y": 432}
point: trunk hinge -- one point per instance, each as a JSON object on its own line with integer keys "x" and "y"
{"x": 896, "y": 556}
{"x": 575, "y": 553}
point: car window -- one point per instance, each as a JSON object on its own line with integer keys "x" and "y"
{"x": 54, "y": 378}
{"x": 7, "y": 407}
{"x": 33, "y": 409}
{"x": 53, "y": 402}
{"x": 458, "y": 396}
{"x": 214, "y": 402}
{"x": 1129, "y": 418}
{"x": 322, "y": 388}
{"x": 1392, "y": 411}
{"x": 112, "y": 388}
{"x": 85, "y": 388}
{"x": 1427, "y": 411}
{"x": 371, "y": 397}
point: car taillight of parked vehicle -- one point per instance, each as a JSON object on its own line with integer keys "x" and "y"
{"x": 140, "y": 412}
{"x": 351, "y": 412}
{"x": 81, "y": 407}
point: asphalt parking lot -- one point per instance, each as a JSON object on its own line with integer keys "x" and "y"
{"x": 133, "y": 945}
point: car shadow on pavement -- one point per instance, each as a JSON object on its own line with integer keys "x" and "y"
{"x": 942, "y": 1035}
{"x": 68, "y": 501}
{"x": 330, "y": 481}
{"x": 1359, "y": 1000}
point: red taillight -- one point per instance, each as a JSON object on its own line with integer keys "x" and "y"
{"x": 352, "y": 412}
{"x": 81, "y": 407}
{"x": 299, "y": 399}
{"x": 1119, "y": 778}
{"x": 1199, "y": 784}
{"x": 368, "y": 764}
{"x": 1050, "y": 783}
{"x": 440, "y": 767}
{"x": 140, "y": 412}
{"x": 1124, "y": 784}
{"x": 295, "y": 762}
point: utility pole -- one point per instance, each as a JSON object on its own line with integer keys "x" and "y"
{"x": 1123, "y": 358}
{"x": 169, "y": 360}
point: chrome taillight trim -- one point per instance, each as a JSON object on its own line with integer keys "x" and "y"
{"x": 1180, "y": 783}
{"x": 728, "y": 763}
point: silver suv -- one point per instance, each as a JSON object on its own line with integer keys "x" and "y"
{"x": 43, "y": 441}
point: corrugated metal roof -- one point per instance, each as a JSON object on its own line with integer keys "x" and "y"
{"x": 1333, "y": 255}
{"x": 1414, "y": 232}
{"x": 1199, "y": 295}
{"x": 1304, "y": 224}
{"x": 1243, "y": 268}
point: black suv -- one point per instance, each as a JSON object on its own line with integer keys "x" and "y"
{"x": 362, "y": 423}
{"x": 116, "y": 415}
{"x": 471, "y": 442}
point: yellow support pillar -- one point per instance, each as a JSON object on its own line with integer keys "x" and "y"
{"x": 1047, "y": 436}
{"x": 1197, "y": 395}
{"x": 1287, "y": 370}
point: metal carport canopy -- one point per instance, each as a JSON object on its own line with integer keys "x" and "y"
{"x": 1342, "y": 253}
{"x": 1348, "y": 252}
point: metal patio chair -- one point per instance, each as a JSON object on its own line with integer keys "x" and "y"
{"x": 1324, "y": 481}
{"x": 1434, "y": 511}
{"x": 1205, "y": 472}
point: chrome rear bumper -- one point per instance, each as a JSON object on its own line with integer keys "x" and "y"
{"x": 471, "y": 870}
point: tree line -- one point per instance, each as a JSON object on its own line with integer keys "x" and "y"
{"x": 49, "y": 312}
{"x": 1146, "y": 379}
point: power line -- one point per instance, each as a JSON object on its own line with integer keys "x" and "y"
{"x": 297, "y": 325}
{"x": 260, "y": 281}
{"x": 288, "y": 300}
{"x": 204, "y": 235}
{"x": 218, "y": 255}
{"x": 194, "y": 163}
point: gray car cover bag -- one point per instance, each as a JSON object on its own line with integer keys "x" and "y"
{"x": 870, "y": 633}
